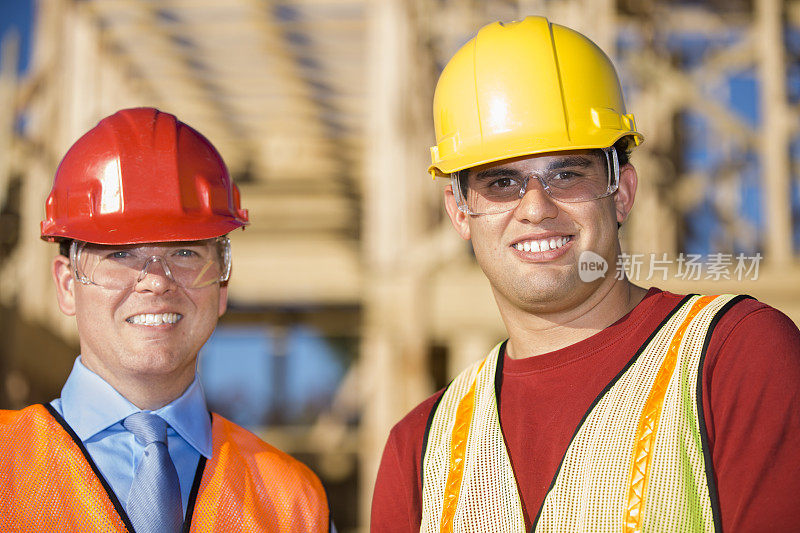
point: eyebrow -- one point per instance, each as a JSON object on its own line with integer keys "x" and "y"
{"x": 571, "y": 161}
{"x": 562, "y": 162}
{"x": 497, "y": 173}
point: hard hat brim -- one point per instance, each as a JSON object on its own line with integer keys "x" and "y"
{"x": 173, "y": 229}
{"x": 504, "y": 151}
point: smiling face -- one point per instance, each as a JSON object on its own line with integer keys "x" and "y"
{"x": 150, "y": 332}
{"x": 530, "y": 253}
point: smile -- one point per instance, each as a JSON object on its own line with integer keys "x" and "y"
{"x": 542, "y": 245}
{"x": 154, "y": 319}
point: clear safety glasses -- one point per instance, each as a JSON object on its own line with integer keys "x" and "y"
{"x": 191, "y": 265}
{"x": 577, "y": 177}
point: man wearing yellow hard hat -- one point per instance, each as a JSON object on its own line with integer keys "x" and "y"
{"x": 610, "y": 407}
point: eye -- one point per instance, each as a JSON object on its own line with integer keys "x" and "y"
{"x": 186, "y": 253}
{"x": 503, "y": 183}
{"x": 565, "y": 175}
{"x": 119, "y": 254}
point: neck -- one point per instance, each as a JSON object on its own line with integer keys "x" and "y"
{"x": 149, "y": 397}
{"x": 148, "y": 392}
{"x": 534, "y": 332}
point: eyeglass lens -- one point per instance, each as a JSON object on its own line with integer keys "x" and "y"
{"x": 191, "y": 265}
{"x": 572, "y": 178}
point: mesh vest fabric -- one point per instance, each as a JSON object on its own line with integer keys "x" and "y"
{"x": 247, "y": 486}
{"x": 46, "y": 484}
{"x": 250, "y": 486}
{"x": 636, "y": 462}
{"x": 487, "y": 497}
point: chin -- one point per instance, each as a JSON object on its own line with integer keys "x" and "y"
{"x": 551, "y": 293}
{"x": 155, "y": 363}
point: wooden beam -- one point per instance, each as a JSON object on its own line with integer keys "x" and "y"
{"x": 774, "y": 132}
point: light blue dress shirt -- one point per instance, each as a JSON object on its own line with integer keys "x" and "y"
{"x": 95, "y": 410}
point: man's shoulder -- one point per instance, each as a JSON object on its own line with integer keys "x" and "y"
{"x": 415, "y": 423}
{"x": 749, "y": 310}
{"x": 23, "y": 418}
{"x": 9, "y": 418}
{"x": 412, "y": 426}
{"x": 759, "y": 327}
{"x": 748, "y": 332}
{"x": 745, "y": 311}
{"x": 32, "y": 424}
{"x": 749, "y": 316}
{"x": 253, "y": 453}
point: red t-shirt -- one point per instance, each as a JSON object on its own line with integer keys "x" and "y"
{"x": 751, "y": 403}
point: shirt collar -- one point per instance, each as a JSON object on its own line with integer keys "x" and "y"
{"x": 90, "y": 405}
{"x": 189, "y": 417}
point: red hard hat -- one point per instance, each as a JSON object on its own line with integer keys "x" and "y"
{"x": 139, "y": 176}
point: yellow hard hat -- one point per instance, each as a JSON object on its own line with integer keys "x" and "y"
{"x": 525, "y": 88}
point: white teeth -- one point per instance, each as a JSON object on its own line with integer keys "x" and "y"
{"x": 542, "y": 245}
{"x": 151, "y": 319}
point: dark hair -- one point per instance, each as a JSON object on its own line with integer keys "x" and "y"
{"x": 623, "y": 146}
{"x": 63, "y": 247}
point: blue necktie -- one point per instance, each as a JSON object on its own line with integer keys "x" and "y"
{"x": 154, "y": 503}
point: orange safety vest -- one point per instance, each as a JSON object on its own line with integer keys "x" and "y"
{"x": 48, "y": 482}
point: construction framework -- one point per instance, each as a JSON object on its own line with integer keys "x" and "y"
{"x": 322, "y": 110}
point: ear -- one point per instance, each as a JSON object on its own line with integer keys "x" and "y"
{"x": 223, "y": 299}
{"x": 626, "y": 192}
{"x": 65, "y": 284}
{"x": 459, "y": 219}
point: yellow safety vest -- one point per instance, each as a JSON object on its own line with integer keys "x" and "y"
{"x": 639, "y": 460}
{"x": 47, "y": 483}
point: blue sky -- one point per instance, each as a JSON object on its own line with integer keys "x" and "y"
{"x": 239, "y": 368}
{"x": 18, "y": 14}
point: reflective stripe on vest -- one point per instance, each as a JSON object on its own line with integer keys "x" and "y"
{"x": 47, "y": 483}
{"x": 636, "y": 462}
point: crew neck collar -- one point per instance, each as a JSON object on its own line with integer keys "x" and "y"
{"x": 588, "y": 346}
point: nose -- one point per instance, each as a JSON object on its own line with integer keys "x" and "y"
{"x": 536, "y": 203}
{"x": 159, "y": 279}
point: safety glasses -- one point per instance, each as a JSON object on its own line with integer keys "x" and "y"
{"x": 191, "y": 265}
{"x": 578, "y": 177}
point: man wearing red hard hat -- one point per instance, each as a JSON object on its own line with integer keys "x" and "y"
{"x": 140, "y": 207}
